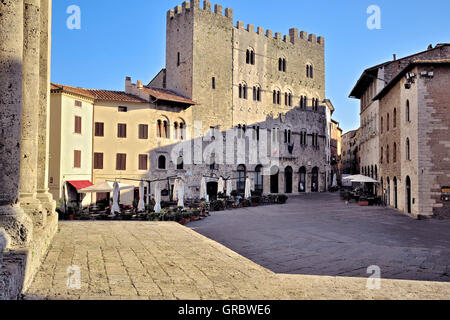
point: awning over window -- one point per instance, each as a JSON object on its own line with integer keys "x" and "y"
{"x": 80, "y": 184}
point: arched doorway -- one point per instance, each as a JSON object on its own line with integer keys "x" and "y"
{"x": 408, "y": 195}
{"x": 288, "y": 179}
{"x": 388, "y": 191}
{"x": 274, "y": 175}
{"x": 302, "y": 180}
{"x": 315, "y": 180}
{"x": 259, "y": 181}
{"x": 211, "y": 189}
{"x": 395, "y": 193}
{"x": 241, "y": 177}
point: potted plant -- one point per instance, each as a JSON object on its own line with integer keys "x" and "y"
{"x": 282, "y": 199}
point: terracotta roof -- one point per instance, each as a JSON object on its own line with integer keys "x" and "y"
{"x": 104, "y": 95}
{"x": 168, "y": 95}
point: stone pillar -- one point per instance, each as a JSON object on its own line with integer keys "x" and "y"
{"x": 12, "y": 218}
{"x": 30, "y": 112}
{"x": 43, "y": 195}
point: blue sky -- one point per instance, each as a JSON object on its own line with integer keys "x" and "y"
{"x": 121, "y": 38}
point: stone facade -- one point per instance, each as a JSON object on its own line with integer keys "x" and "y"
{"x": 350, "y": 153}
{"x": 417, "y": 180}
{"x": 27, "y": 217}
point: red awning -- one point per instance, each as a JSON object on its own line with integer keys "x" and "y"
{"x": 81, "y": 184}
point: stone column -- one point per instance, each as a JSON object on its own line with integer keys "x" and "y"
{"x": 30, "y": 112}
{"x": 44, "y": 106}
{"x": 12, "y": 218}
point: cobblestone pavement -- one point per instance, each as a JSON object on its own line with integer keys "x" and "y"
{"x": 318, "y": 234}
{"x": 146, "y": 260}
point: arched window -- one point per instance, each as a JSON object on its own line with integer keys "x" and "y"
{"x": 182, "y": 131}
{"x": 259, "y": 181}
{"x": 175, "y": 131}
{"x": 247, "y": 59}
{"x": 395, "y": 153}
{"x": 280, "y": 64}
{"x": 382, "y": 125}
{"x": 274, "y": 178}
{"x": 240, "y": 91}
{"x": 166, "y": 129}
{"x": 162, "y": 162}
{"x": 286, "y": 99}
{"x": 307, "y": 70}
{"x": 382, "y": 155}
{"x": 245, "y": 89}
{"x": 303, "y": 102}
{"x": 387, "y": 122}
{"x": 408, "y": 149}
{"x": 302, "y": 180}
{"x": 180, "y": 163}
{"x": 258, "y": 94}
{"x": 408, "y": 119}
{"x": 159, "y": 129}
{"x": 274, "y": 96}
{"x": 252, "y": 57}
{"x": 387, "y": 154}
{"x": 284, "y": 65}
{"x": 241, "y": 177}
{"x": 311, "y": 72}
{"x": 395, "y": 119}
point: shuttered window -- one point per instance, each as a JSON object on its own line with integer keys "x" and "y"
{"x": 77, "y": 159}
{"x": 143, "y": 162}
{"x": 121, "y": 130}
{"x": 99, "y": 129}
{"x": 98, "y": 161}
{"x": 121, "y": 162}
{"x": 143, "y": 131}
{"x": 77, "y": 124}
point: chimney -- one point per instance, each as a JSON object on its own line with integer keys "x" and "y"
{"x": 139, "y": 84}
{"x": 395, "y": 57}
{"x": 128, "y": 84}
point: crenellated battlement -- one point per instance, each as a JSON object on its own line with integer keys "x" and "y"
{"x": 193, "y": 5}
{"x": 294, "y": 35}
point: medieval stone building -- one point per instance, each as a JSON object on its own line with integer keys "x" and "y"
{"x": 27, "y": 211}
{"x": 232, "y": 101}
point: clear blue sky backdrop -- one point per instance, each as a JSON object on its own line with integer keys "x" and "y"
{"x": 120, "y": 38}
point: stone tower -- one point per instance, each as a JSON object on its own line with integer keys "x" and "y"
{"x": 199, "y": 60}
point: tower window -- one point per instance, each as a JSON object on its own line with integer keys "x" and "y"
{"x": 213, "y": 82}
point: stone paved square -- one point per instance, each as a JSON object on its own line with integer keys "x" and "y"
{"x": 317, "y": 234}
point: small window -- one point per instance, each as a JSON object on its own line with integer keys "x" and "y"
{"x": 159, "y": 129}
{"x": 77, "y": 125}
{"x": 245, "y": 88}
{"x": 240, "y": 91}
{"x": 213, "y": 82}
{"x": 162, "y": 163}
{"x": 123, "y": 109}
{"x": 178, "y": 59}
{"x": 274, "y": 97}
{"x": 258, "y": 94}
{"x": 166, "y": 129}
{"x": 99, "y": 129}
{"x": 408, "y": 118}
{"x": 395, "y": 119}
{"x": 143, "y": 131}
{"x": 408, "y": 149}
{"x": 98, "y": 161}
{"x": 78, "y": 103}
{"x": 77, "y": 159}
{"x": 395, "y": 153}
{"x": 252, "y": 58}
{"x": 387, "y": 122}
{"x": 121, "y": 162}
{"x": 121, "y": 130}
{"x": 143, "y": 162}
{"x": 279, "y": 97}
{"x": 180, "y": 163}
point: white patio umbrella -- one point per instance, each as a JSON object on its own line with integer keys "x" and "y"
{"x": 229, "y": 187}
{"x": 203, "y": 191}
{"x": 176, "y": 186}
{"x": 157, "y": 198}
{"x": 248, "y": 191}
{"x": 180, "y": 194}
{"x": 334, "y": 180}
{"x": 115, "y": 207}
{"x": 360, "y": 178}
{"x": 221, "y": 186}
{"x": 141, "y": 204}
